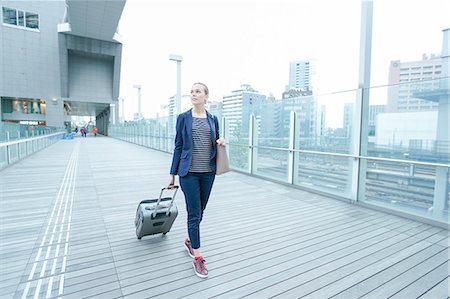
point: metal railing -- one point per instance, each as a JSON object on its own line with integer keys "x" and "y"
{"x": 415, "y": 188}
{"x": 12, "y": 151}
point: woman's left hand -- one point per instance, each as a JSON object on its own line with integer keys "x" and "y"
{"x": 221, "y": 141}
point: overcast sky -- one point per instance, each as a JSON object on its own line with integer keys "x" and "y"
{"x": 227, "y": 43}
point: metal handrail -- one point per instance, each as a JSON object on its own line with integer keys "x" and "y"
{"x": 347, "y": 155}
{"x": 22, "y": 140}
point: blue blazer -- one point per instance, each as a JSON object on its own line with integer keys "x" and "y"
{"x": 182, "y": 154}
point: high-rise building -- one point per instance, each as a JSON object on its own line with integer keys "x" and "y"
{"x": 215, "y": 108}
{"x": 237, "y": 106}
{"x": 300, "y": 75}
{"x": 305, "y": 105}
{"x": 348, "y": 119}
{"x": 374, "y": 110}
{"x": 408, "y": 78}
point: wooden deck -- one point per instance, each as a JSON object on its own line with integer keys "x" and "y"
{"x": 67, "y": 230}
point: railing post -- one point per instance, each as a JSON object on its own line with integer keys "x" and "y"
{"x": 440, "y": 201}
{"x": 167, "y": 137}
{"x": 159, "y": 135}
{"x": 18, "y": 146}
{"x": 222, "y": 128}
{"x": 292, "y": 140}
{"x": 223, "y": 134}
{"x": 251, "y": 131}
{"x": 8, "y": 155}
{"x": 361, "y": 115}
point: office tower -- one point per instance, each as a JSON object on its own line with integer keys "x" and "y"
{"x": 374, "y": 110}
{"x": 215, "y": 108}
{"x": 408, "y": 78}
{"x": 237, "y": 107}
{"x": 305, "y": 105}
{"x": 300, "y": 75}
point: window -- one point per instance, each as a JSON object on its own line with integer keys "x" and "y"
{"x": 9, "y": 16}
{"x": 32, "y": 20}
{"x": 20, "y": 18}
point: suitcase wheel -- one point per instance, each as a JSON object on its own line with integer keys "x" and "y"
{"x": 139, "y": 238}
{"x": 164, "y": 234}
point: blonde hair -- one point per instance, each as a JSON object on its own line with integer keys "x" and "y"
{"x": 204, "y": 87}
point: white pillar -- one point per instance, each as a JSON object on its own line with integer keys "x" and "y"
{"x": 178, "y": 87}
{"x": 178, "y": 59}
{"x": 361, "y": 111}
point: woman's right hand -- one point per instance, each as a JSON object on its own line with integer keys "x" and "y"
{"x": 171, "y": 182}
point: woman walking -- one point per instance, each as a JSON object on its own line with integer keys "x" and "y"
{"x": 194, "y": 161}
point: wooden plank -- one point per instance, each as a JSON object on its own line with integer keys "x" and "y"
{"x": 260, "y": 239}
{"x": 408, "y": 277}
{"x": 439, "y": 290}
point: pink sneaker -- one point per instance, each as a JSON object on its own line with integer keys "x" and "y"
{"x": 187, "y": 244}
{"x": 199, "y": 267}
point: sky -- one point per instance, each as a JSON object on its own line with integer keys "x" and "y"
{"x": 228, "y": 43}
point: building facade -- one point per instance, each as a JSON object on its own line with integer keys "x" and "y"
{"x": 301, "y": 75}
{"x": 237, "y": 107}
{"x": 408, "y": 78}
{"x": 59, "y": 61}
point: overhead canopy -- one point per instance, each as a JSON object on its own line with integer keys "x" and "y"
{"x": 85, "y": 108}
{"x": 97, "y": 19}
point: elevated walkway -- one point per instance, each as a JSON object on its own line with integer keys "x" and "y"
{"x": 67, "y": 231}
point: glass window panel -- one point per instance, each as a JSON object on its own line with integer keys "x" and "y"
{"x": 408, "y": 187}
{"x": 32, "y": 20}
{"x": 270, "y": 128}
{"x": 271, "y": 163}
{"x": 326, "y": 121}
{"x": 21, "y": 19}
{"x": 238, "y": 156}
{"x": 415, "y": 128}
{"x": 326, "y": 173}
{"x": 9, "y": 16}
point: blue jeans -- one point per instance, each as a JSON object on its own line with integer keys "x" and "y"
{"x": 196, "y": 188}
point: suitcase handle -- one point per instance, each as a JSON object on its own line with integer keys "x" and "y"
{"x": 171, "y": 202}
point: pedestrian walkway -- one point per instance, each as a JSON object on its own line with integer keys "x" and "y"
{"x": 67, "y": 231}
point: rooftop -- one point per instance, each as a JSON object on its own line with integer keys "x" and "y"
{"x": 67, "y": 230}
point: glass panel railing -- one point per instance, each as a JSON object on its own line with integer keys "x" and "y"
{"x": 416, "y": 189}
{"x": 409, "y": 142}
{"x": 325, "y": 173}
{"x": 271, "y": 163}
{"x": 14, "y": 131}
{"x": 14, "y": 150}
{"x": 403, "y": 158}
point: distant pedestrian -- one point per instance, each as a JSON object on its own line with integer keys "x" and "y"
{"x": 94, "y": 130}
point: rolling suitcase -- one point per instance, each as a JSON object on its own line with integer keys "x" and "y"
{"x": 156, "y": 216}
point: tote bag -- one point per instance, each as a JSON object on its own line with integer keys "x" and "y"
{"x": 222, "y": 163}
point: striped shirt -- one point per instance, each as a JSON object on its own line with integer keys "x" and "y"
{"x": 201, "y": 145}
